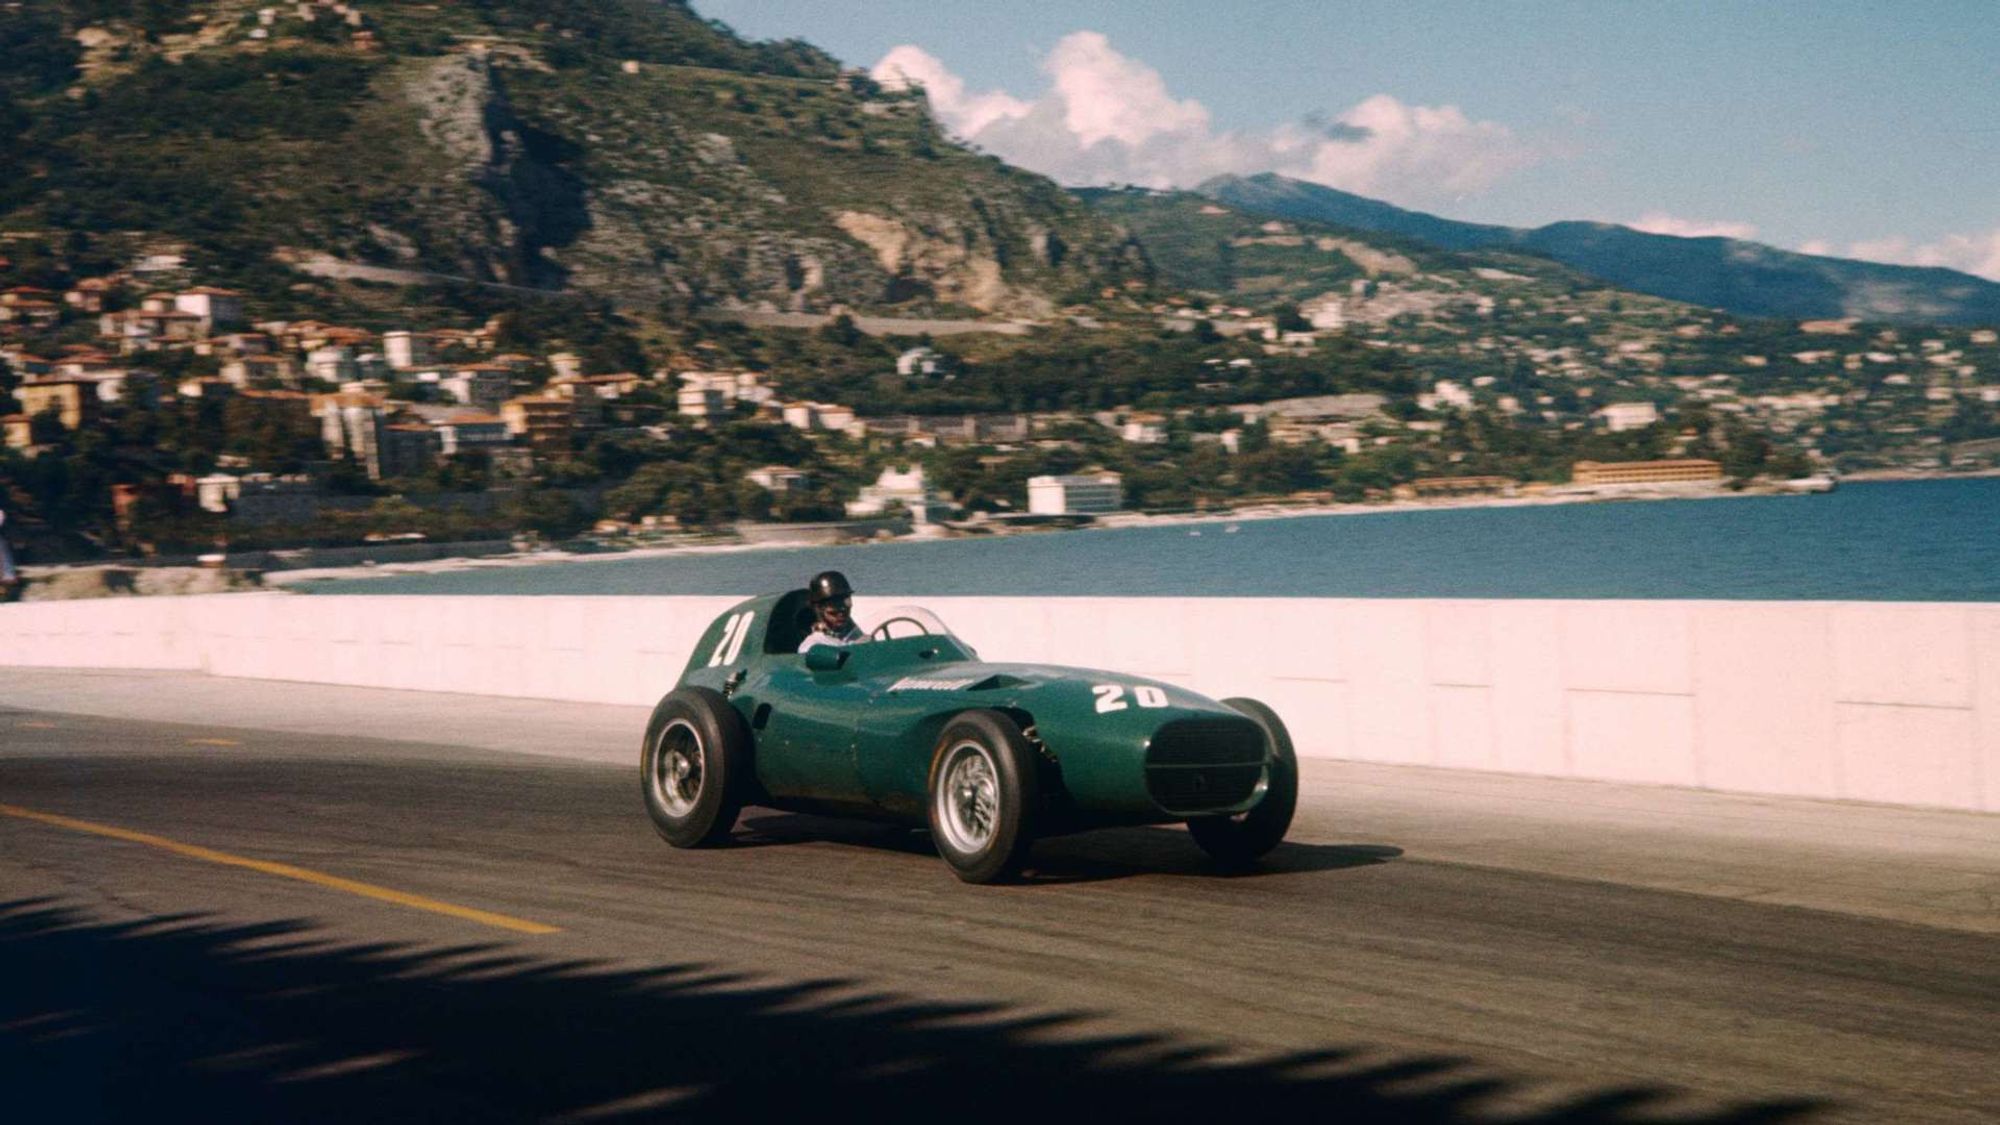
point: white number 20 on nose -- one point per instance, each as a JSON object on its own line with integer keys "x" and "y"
{"x": 1111, "y": 697}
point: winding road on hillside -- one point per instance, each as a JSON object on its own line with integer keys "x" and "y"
{"x": 202, "y": 921}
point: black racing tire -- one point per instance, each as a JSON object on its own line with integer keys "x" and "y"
{"x": 1245, "y": 838}
{"x": 694, "y": 767}
{"x": 983, "y": 796}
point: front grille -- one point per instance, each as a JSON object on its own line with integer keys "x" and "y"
{"x": 1201, "y": 765}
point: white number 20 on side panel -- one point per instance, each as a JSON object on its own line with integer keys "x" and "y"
{"x": 1111, "y": 697}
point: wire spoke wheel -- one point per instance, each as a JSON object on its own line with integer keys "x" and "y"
{"x": 984, "y": 792}
{"x": 677, "y": 768}
{"x": 694, "y": 767}
{"x": 969, "y": 799}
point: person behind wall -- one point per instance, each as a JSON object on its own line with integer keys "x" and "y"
{"x": 833, "y": 611}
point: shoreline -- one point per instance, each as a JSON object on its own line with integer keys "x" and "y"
{"x": 1196, "y": 521}
{"x": 1120, "y": 521}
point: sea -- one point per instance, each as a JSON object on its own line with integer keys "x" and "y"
{"x": 1926, "y": 540}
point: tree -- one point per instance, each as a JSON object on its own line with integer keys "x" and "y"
{"x": 1789, "y": 464}
{"x": 46, "y": 428}
{"x": 1747, "y": 452}
{"x": 841, "y": 330}
{"x": 550, "y": 513}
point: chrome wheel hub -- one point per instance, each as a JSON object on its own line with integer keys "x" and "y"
{"x": 968, "y": 799}
{"x": 676, "y": 776}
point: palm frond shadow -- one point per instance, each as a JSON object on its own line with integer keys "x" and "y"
{"x": 190, "y": 1018}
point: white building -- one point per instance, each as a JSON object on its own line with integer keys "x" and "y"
{"x": 1086, "y": 494}
{"x": 778, "y": 478}
{"x": 407, "y": 349}
{"x": 908, "y": 489}
{"x": 334, "y": 363}
{"x": 1326, "y": 312}
{"x": 1445, "y": 393}
{"x": 467, "y": 430}
{"x": 702, "y": 401}
{"x": 1144, "y": 429}
{"x": 482, "y": 386}
{"x": 1619, "y": 416}
{"x": 215, "y": 492}
{"x": 920, "y": 361}
{"x": 352, "y": 424}
{"x": 216, "y": 307}
{"x": 816, "y": 416}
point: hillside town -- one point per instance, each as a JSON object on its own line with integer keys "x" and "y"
{"x": 327, "y": 432}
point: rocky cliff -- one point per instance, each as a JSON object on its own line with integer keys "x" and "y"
{"x": 625, "y": 148}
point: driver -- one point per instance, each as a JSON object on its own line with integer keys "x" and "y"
{"x": 832, "y": 605}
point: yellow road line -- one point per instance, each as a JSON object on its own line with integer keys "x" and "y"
{"x": 287, "y": 871}
{"x": 213, "y": 742}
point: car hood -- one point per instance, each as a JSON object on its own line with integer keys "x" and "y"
{"x": 1106, "y": 691}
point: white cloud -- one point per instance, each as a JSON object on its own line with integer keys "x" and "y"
{"x": 1977, "y": 254}
{"x": 906, "y": 66}
{"x": 1659, "y": 222}
{"x": 1109, "y": 118}
{"x": 1108, "y": 97}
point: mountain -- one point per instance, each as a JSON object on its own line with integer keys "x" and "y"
{"x": 623, "y": 148}
{"x": 1746, "y": 278}
{"x": 1249, "y": 257}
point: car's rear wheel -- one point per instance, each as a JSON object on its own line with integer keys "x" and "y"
{"x": 693, "y": 767}
{"x": 1237, "y": 841}
{"x": 983, "y": 796}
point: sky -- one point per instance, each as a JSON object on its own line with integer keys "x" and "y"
{"x": 1868, "y": 130}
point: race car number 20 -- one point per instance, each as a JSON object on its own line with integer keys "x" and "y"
{"x": 1111, "y": 697}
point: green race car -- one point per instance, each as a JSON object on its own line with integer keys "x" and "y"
{"x": 914, "y": 728}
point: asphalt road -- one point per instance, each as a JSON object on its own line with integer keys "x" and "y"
{"x": 213, "y": 923}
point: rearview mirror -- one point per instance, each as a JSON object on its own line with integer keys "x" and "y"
{"x": 825, "y": 658}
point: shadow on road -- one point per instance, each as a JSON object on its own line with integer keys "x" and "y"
{"x": 1086, "y": 857}
{"x": 190, "y": 1019}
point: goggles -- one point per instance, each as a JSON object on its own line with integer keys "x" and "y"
{"x": 841, "y": 603}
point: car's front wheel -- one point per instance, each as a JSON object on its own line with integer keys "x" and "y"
{"x": 983, "y": 796}
{"x": 693, "y": 767}
{"x": 1239, "y": 840}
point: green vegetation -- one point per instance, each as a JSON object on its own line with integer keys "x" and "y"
{"x": 1149, "y": 368}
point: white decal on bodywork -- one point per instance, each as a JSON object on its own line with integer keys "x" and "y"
{"x": 731, "y": 645}
{"x": 919, "y": 683}
{"x": 1111, "y": 697}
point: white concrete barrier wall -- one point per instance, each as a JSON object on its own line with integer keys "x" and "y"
{"x": 1890, "y": 702}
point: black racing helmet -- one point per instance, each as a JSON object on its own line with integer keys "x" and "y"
{"x": 828, "y": 585}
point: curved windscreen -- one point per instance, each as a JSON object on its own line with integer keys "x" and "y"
{"x": 898, "y": 622}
